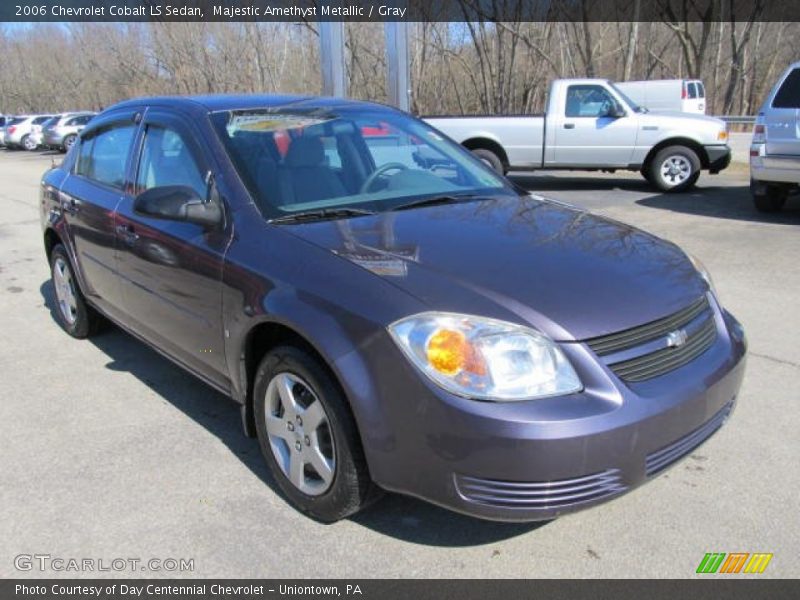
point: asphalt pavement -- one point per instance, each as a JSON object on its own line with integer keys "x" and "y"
{"x": 109, "y": 451}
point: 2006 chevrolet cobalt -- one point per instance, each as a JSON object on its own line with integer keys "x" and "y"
{"x": 389, "y": 312}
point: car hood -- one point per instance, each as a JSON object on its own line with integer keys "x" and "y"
{"x": 664, "y": 117}
{"x": 569, "y": 273}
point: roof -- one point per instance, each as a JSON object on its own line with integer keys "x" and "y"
{"x": 223, "y": 102}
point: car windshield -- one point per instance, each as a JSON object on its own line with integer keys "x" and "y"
{"x": 296, "y": 161}
{"x": 627, "y": 100}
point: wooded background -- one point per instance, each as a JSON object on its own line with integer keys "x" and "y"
{"x": 461, "y": 68}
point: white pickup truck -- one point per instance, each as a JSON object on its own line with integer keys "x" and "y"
{"x": 591, "y": 125}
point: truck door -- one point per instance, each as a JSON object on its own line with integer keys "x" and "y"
{"x": 596, "y": 129}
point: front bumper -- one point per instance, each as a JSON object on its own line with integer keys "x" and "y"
{"x": 719, "y": 158}
{"x": 537, "y": 460}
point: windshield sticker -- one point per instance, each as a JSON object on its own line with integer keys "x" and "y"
{"x": 270, "y": 122}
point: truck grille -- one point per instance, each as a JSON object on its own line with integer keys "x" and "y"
{"x": 666, "y": 358}
{"x": 544, "y": 494}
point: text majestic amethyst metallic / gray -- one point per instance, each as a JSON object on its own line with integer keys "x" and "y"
{"x": 388, "y": 312}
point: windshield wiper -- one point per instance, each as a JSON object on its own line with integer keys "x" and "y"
{"x": 435, "y": 200}
{"x": 321, "y": 214}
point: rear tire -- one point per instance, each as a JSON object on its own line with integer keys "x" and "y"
{"x": 769, "y": 197}
{"x": 28, "y": 143}
{"x": 301, "y": 415}
{"x": 491, "y": 159}
{"x": 74, "y": 315}
{"x": 68, "y": 141}
{"x": 674, "y": 169}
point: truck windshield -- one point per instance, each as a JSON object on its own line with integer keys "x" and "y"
{"x": 296, "y": 161}
{"x": 635, "y": 107}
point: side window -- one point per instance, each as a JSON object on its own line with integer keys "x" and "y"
{"x": 167, "y": 160}
{"x": 102, "y": 155}
{"x": 789, "y": 94}
{"x": 589, "y": 101}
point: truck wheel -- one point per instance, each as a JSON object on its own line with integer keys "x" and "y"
{"x": 76, "y": 317}
{"x": 674, "y": 169}
{"x": 491, "y": 159}
{"x": 308, "y": 436}
{"x": 768, "y": 197}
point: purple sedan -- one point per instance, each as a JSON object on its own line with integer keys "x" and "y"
{"x": 388, "y": 312}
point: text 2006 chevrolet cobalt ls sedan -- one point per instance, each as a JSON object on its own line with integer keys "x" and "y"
{"x": 389, "y": 312}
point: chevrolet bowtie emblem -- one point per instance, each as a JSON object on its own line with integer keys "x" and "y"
{"x": 677, "y": 338}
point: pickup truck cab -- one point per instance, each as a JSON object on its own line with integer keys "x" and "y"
{"x": 591, "y": 125}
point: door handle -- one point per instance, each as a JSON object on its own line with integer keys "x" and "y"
{"x": 128, "y": 234}
{"x": 569, "y": 125}
{"x": 70, "y": 204}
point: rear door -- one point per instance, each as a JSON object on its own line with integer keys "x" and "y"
{"x": 171, "y": 271}
{"x": 585, "y": 136}
{"x": 781, "y": 118}
{"x": 90, "y": 195}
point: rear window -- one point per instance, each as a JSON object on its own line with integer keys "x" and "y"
{"x": 691, "y": 90}
{"x": 701, "y": 90}
{"x": 16, "y": 120}
{"x": 40, "y": 120}
{"x": 789, "y": 94}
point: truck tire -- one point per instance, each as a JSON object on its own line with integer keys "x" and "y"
{"x": 491, "y": 159}
{"x": 674, "y": 169}
{"x": 768, "y": 197}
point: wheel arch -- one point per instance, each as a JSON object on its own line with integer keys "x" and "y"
{"x": 486, "y": 143}
{"x": 693, "y": 145}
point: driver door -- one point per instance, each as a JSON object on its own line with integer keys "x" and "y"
{"x": 586, "y": 136}
{"x": 171, "y": 270}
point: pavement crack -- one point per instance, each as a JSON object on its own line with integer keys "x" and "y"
{"x": 777, "y": 360}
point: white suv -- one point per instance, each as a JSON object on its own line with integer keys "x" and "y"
{"x": 775, "y": 149}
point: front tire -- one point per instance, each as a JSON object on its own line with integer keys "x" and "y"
{"x": 674, "y": 169}
{"x": 308, "y": 436}
{"x": 491, "y": 159}
{"x": 75, "y": 316}
{"x": 769, "y": 197}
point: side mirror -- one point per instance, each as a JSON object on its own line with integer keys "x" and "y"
{"x": 614, "y": 112}
{"x": 178, "y": 203}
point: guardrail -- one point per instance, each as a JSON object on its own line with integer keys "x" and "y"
{"x": 738, "y": 119}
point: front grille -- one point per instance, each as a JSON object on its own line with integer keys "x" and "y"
{"x": 608, "y": 344}
{"x": 541, "y": 495}
{"x": 666, "y": 358}
{"x": 660, "y": 459}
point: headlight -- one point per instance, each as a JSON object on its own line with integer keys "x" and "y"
{"x": 701, "y": 269}
{"x": 485, "y": 358}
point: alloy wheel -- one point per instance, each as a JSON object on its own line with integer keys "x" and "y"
{"x": 65, "y": 290}
{"x": 299, "y": 434}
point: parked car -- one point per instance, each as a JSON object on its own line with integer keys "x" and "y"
{"x": 37, "y": 132}
{"x": 20, "y": 132}
{"x": 388, "y": 312}
{"x": 775, "y": 149}
{"x": 3, "y": 120}
{"x": 591, "y": 125}
{"x": 682, "y": 95}
{"x": 60, "y": 133}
